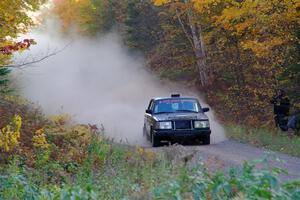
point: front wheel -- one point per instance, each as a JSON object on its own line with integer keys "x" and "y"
{"x": 206, "y": 140}
{"x": 155, "y": 141}
{"x": 144, "y": 131}
{"x": 145, "y": 134}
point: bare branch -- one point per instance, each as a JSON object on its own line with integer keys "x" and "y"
{"x": 184, "y": 30}
{"x": 22, "y": 65}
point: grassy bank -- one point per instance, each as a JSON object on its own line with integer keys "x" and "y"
{"x": 116, "y": 172}
{"x": 52, "y": 158}
{"x": 262, "y": 137}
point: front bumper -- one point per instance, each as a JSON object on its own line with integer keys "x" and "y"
{"x": 179, "y": 134}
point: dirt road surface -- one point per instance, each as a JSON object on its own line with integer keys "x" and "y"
{"x": 230, "y": 153}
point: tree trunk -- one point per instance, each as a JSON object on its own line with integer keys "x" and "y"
{"x": 200, "y": 55}
{"x": 199, "y": 51}
{"x": 197, "y": 44}
{"x": 240, "y": 67}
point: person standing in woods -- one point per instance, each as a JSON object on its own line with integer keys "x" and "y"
{"x": 281, "y": 104}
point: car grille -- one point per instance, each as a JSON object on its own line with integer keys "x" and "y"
{"x": 183, "y": 125}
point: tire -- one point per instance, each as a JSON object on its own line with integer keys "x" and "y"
{"x": 206, "y": 140}
{"x": 155, "y": 140}
{"x": 144, "y": 131}
{"x": 145, "y": 134}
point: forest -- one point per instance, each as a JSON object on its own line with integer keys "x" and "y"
{"x": 238, "y": 53}
{"x": 235, "y": 53}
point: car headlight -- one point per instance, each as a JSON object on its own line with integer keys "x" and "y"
{"x": 201, "y": 124}
{"x": 164, "y": 125}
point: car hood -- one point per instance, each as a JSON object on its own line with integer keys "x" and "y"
{"x": 180, "y": 116}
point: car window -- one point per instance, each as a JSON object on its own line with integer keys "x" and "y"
{"x": 150, "y": 107}
{"x": 176, "y": 105}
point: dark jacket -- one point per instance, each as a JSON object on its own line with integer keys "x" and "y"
{"x": 281, "y": 105}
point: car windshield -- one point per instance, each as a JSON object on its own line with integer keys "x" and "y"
{"x": 176, "y": 105}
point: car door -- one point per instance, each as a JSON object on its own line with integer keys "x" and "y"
{"x": 148, "y": 117}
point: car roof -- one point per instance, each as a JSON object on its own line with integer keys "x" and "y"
{"x": 162, "y": 98}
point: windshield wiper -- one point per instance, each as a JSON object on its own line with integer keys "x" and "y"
{"x": 162, "y": 112}
{"x": 187, "y": 111}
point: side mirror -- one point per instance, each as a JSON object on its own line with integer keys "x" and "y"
{"x": 148, "y": 111}
{"x": 205, "y": 109}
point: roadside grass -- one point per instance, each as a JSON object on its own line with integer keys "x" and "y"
{"x": 112, "y": 171}
{"x": 56, "y": 159}
{"x": 134, "y": 173}
{"x": 263, "y": 137}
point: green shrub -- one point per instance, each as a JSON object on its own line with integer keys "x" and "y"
{"x": 140, "y": 179}
{"x": 247, "y": 182}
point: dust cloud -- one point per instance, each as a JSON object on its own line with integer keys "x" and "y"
{"x": 95, "y": 80}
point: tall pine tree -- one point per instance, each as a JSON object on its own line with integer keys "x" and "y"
{"x": 4, "y": 82}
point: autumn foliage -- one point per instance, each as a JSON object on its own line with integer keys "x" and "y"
{"x": 16, "y": 46}
{"x": 14, "y": 20}
{"x": 86, "y": 16}
{"x": 27, "y": 133}
{"x": 10, "y": 135}
{"x": 249, "y": 44}
{"x": 235, "y": 52}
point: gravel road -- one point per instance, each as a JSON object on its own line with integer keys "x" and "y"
{"x": 230, "y": 153}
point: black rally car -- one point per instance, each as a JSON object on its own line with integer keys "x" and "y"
{"x": 176, "y": 118}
